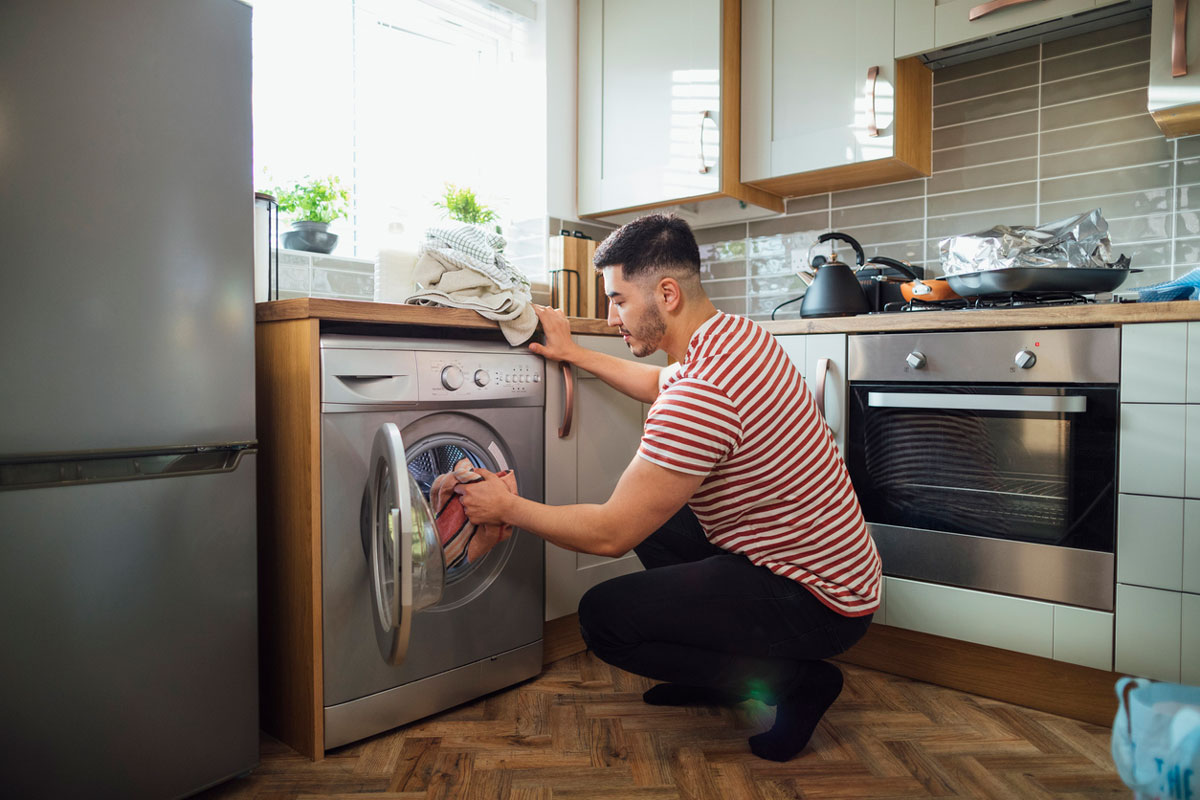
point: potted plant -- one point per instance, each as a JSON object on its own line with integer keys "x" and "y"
{"x": 313, "y": 203}
{"x": 460, "y": 204}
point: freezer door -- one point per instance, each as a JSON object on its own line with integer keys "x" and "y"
{"x": 129, "y": 612}
{"x": 127, "y": 313}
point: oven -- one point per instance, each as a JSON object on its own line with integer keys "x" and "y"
{"x": 988, "y": 459}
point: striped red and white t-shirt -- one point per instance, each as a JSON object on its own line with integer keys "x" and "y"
{"x": 776, "y": 490}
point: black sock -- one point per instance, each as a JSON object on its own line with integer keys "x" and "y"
{"x": 798, "y": 713}
{"x": 680, "y": 694}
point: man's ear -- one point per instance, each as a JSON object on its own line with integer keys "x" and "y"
{"x": 670, "y": 292}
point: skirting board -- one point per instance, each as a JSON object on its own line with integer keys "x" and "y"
{"x": 1060, "y": 688}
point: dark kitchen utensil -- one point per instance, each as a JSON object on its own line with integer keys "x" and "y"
{"x": 835, "y": 291}
{"x": 928, "y": 291}
{"x": 1033, "y": 280}
{"x": 894, "y": 282}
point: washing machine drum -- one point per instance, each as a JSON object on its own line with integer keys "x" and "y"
{"x": 407, "y": 570}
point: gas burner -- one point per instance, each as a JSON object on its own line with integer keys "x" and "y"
{"x": 1008, "y": 300}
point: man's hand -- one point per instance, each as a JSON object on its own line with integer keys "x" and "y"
{"x": 558, "y": 346}
{"x": 485, "y": 501}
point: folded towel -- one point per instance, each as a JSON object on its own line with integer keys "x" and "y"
{"x": 1185, "y": 287}
{"x": 464, "y": 267}
{"x": 464, "y": 543}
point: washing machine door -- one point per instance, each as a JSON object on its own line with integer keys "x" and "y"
{"x": 407, "y": 573}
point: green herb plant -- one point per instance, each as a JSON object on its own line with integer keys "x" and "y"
{"x": 314, "y": 199}
{"x": 460, "y": 204}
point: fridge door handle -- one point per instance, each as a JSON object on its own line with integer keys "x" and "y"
{"x": 108, "y": 466}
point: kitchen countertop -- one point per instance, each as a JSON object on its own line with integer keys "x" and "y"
{"x": 1099, "y": 314}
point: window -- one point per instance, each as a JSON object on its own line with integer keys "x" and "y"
{"x": 399, "y": 98}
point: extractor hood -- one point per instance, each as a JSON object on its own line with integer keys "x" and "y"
{"x": 1072, "y": 25}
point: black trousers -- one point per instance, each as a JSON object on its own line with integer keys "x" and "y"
{"x": 703, "y": 616}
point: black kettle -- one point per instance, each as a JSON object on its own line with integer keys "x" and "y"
{"x": 835, "y": 291}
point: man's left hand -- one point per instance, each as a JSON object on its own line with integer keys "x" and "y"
{"x": 485, "y": 501}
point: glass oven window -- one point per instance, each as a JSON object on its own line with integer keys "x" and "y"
{"x": 982, "y": 460}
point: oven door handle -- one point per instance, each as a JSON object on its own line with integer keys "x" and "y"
{"x": 1057, "y": 404}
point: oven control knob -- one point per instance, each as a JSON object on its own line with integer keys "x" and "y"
{"x": 1026, "y": 359}
{"x": 482, "y": 377}
{"x": 915, "y": 359}
{"x": 452, "y": 377}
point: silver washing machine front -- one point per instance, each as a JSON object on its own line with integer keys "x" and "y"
{"x": 485, "y": 632}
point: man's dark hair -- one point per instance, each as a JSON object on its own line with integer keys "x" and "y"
{"x": 648, "y": 244}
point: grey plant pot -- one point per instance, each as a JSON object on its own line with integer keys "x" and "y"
{"x": 311, "y": 236}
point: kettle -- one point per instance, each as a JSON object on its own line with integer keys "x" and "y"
{"x": 835, "y": 291}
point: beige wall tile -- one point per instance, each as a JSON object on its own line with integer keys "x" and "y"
{"x": 1113, "y": 206}
{"x": 722, "y": 270}
{"x": 1130, "y": 51}
{"x": 1126, "y": 154}
{"x": 1138, "y": 229}
{"x": 814, "y": 221}
{"x": 732, "y": 305}
{"x": 879, "y": 212}
{"x": 1120, "y": 130}
{"x": 815, "y": 202}
{"x": 1110, "y": 81}
{"x": 985, "y": 131}
{"x": 957, "y": 224}
{"x": 724, "y": 288}
{"x": 721, "y": 233}
{"x": 1019, "y": 194}
{"x": 989, "y": 83}
{"x": 1188, "y": 146}
{"x": 1098, "y": 38}
{"x": 985, "y": 107}
{"x": 875, "y": 235}
{"x": 989, "y": 64}
{"x": 1189, "y": 172}
{"x": 1100, "y": 109}
{"x": 1117, "y": 181}
{"x": 879, "y": 194}
{"x": 987, "y": 153}
{"x": 981, "y": 177}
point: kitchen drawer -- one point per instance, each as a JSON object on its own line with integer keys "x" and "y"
{"x": 1011, "y": 623}
{"x": 1083, "y": 636}
{"x": 1152, "y": 449}
{"x": 1189, "y": 651}
{"x": 1149, "y": 623}
{"x": 1150, "y": 548}
{"x": 1154, "y": 363}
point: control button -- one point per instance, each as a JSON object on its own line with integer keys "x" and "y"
{"x": 482, "y": 378}
{"x": 915, "y": 359}
{"x": 536, "y": 377}
{"x": 1026, "y": 359}
{"x": 452, "y": 377}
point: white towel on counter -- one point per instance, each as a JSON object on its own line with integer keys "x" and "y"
{"x": 455, "y": 269}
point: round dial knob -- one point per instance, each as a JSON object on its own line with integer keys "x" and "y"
{"x": 482, "y": 378}
{"x": 1026, "y": 359}
{"x": 452, "y": 377}
{"x": 915, "y": 359}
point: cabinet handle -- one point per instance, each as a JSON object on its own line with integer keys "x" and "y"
{"x": 704, "y": 167}
{"x": 873, "y": 125}
{"x": 1179, "y": 40}
{"x": 995, "y": 5}
{"x": 564, "y": 430}
{"x": 822, "y": 374}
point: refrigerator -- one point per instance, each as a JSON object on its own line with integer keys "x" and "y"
{"x": 128, "y": 632}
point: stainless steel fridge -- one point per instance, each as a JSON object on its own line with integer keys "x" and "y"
{"x": 128, "y": 655}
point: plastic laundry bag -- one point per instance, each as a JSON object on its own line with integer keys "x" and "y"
{"x": 1156, "y": 739}
{"x": 1186, "y": 287}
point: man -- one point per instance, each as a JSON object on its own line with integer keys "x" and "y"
{"x": 758, "y": 562}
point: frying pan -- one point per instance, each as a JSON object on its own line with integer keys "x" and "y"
{"x": 1079, "y": 280}
{"x": 923, "y": 290}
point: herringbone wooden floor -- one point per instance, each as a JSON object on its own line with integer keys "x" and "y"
{"x": 580, "y": 730}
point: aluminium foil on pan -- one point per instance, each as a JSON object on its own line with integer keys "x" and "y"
{"x": 1080, "y": 241}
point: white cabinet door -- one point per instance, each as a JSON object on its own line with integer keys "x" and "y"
{"x": 1189, "y": 651}
{"x": 829, "y": 348}
{"x": 1152, "y": 449}
{"x": 648, "y": 75}
{"x": 584, "y": 466}
{"x": 1149, "y": 622}
{"x": 1154, "y": 361}
{"x": 1191, "y": 546}
{"x": 1174, "y": 100}
{"x": 954, "y": 25}
{"x": 1150, "y": 541}
{"x": 808, "y": 100}
{"x": 1193, "y": 362}
{"x": 1083, "y": 636}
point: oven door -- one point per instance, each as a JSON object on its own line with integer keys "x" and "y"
{"x": 996, "y": 487}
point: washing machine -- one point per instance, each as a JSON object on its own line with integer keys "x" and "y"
{"x": 405, "y": 634}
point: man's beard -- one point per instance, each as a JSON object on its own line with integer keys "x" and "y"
{"x": 649, "y": 334}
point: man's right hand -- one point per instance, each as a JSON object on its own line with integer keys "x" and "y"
{"x": 558, "y": 346}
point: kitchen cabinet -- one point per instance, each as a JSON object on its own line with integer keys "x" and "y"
{"x": 865, "y": 121}
{"x": 659, "y": 107}
{"x": 1154, "y": 363}
{"x": 1173, "y": 97}
{"x": 1149, "y": 629}
{"x": 823, "y": 356}
{"x": 583, "y": 466}
{"x": 926, "y": 25}
{"x": 1063, "y": 633}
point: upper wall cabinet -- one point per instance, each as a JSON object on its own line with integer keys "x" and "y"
{"x": 926, "y": 25}
{"x": 658, "y": 105}
{"x": 1174, "y": 96}
{"x": 824, "y": 104}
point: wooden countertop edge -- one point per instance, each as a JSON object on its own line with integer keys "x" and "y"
{"x": 1052, "y": 317}
{"x": 395, "y": 314}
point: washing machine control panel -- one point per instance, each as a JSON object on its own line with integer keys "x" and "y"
{"x": 479, "y": 376}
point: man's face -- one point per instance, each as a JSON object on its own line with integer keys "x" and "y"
{"x": 634, "y": 311}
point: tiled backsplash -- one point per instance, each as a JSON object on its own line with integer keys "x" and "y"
{"x": 1022, "y": 138}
